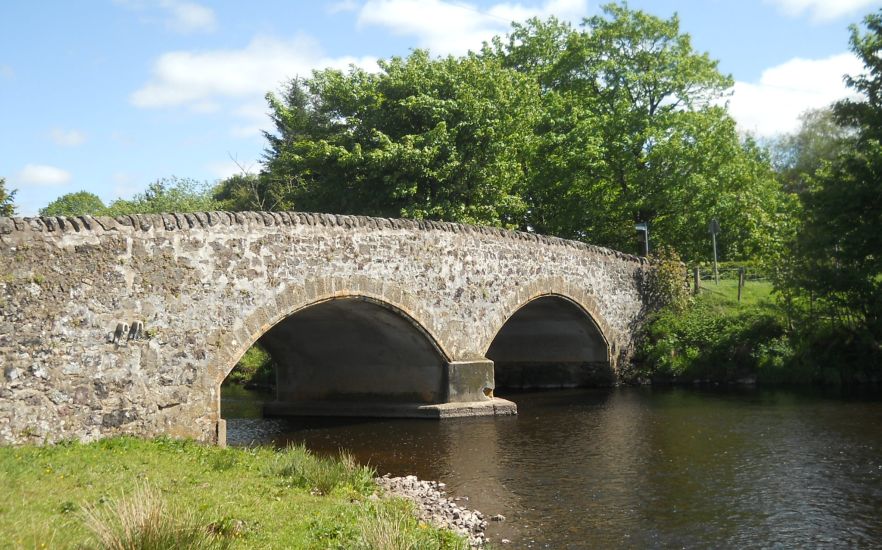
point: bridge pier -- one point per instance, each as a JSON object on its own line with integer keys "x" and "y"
{"x": 468, "y": 392}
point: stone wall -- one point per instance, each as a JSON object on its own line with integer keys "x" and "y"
{"x": 130, "y": 324}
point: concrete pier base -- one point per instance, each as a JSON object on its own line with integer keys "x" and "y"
{"x": 486, "y": 407}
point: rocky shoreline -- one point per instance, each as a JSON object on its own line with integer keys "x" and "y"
{"x": 435, "y": 507}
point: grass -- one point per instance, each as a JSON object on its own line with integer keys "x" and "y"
{"x": 718, "y": 339}
{"x": 725, "y": 294}
{"x": 179, "y": 494}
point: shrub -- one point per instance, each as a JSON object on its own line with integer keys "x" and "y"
{"x": 666, "y": 285}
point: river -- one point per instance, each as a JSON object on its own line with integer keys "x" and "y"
{"x": 634, "y": 467}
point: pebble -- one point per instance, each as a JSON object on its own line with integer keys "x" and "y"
{"x": 435, "y": 507}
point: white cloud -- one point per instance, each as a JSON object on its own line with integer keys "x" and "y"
{"x": 6, "y": 72}
{"x": 177, "y": 15}
{"x": 41, "y": 174}
{"x": 228, "y": 168}
{"x": 822, "y": 10}
{"x": 446, "y": 27}
{"x": 342, "y": 6}
{"x": 190, "y": 78}
{"x": 187, "y": 17}
{"x": 773, "y": 105}
{"x": 67, "y": 138}
{"x": 254, "y": 119}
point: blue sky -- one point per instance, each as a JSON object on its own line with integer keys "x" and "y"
{"x": 110, "y": 95}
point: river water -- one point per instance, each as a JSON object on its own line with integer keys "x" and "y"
{"x": 634, "y": 467}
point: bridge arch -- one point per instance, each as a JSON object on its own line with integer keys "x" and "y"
{"x": 551, "y": 338}
{"x": 299, "y": 297}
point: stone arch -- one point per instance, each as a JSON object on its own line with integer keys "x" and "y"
{"x": 551, "y": 339}
{"x": 298, "y": 297}
{"x": 557, "y": 287}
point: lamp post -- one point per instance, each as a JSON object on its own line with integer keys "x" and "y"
{"x": 644, "y": 226}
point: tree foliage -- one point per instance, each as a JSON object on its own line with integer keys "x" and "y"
{"x": 75, "y": 204}
{"x": 820, "y": 138}
{"x": 837, "y": 265}
{"x": 7, "y": 207}
{"x": 632, "y": 132}
{"x": 442, "y": 139}
{"x": 170, "y": 194}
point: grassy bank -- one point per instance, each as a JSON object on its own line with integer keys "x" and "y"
{"x": 178, "y": 494}
{"x": 718, "y": 339}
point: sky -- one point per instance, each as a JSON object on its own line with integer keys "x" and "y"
{"x": 108, "y": 96}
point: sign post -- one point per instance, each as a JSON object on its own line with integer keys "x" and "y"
{"x": 644, "y": 226}
{"x": 713, "y": 228}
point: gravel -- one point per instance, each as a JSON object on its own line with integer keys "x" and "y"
{"x": 435, "y": 507}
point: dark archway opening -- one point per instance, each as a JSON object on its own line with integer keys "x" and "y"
{"x": 350, "y": 357}
{"x": 550, "y": 343}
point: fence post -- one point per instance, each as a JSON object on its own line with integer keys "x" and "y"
{"x": 740, "y": 282}
{"x": 696, "y": 279}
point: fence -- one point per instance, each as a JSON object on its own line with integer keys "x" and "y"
{"x": 701, "y": 276}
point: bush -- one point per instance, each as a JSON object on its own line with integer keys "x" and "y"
{"x": 666, "y": 285}
{"x": 716, "y": 339}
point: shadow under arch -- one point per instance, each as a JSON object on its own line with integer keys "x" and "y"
{"x": 296, "y": 298}
{"x": 552, "y": 341}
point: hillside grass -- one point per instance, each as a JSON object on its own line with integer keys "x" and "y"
{"x": 126, "y": 492}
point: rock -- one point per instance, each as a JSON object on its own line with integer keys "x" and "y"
{"x": 435, "y": 507}
{"x": 497, "y": 517}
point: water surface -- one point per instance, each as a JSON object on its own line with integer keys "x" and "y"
{"x": 635, "y": 467}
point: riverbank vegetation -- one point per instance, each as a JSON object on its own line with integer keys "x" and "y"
{"x": 161, "y": 494}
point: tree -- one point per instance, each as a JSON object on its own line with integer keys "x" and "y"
{"x": 820, "y": 138}
{"x": 7, "y": 207}
{"x": 838, "y": 254}
{"x": 631, "y": 131}
{"x": 444, "y": 139}
{"x": 75, "y": 204}
{"x": 167, "y": 195}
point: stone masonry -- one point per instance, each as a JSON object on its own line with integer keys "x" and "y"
{"x": 130, "y": 324}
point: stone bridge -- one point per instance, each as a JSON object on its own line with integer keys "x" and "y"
{"x": 131, "y": 324}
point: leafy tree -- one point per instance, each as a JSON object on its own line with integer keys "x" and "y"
{"x": 797, "y": 156}
{"x": 839, "y": 249}
{"x": 631, "y": 132}
{"x": 7, "y": 207}
{"x": 249, "y": 192}
{"x": 75, "y": 204}
{"x": 167, "y": 195}
{"x": 444, "y": 139}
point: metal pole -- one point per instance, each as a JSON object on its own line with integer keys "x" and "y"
{"x": 646, "y": 240}
{"x": 716, "y": 272}
{"x": 740, "y": 282}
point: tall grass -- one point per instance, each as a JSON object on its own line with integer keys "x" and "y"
{"x": 321, "y": 475}
{"x": 397, "y": 528}
{"x": 143, "y": 521}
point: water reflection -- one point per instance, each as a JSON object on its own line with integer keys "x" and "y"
{"x": 638, "y": 467}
